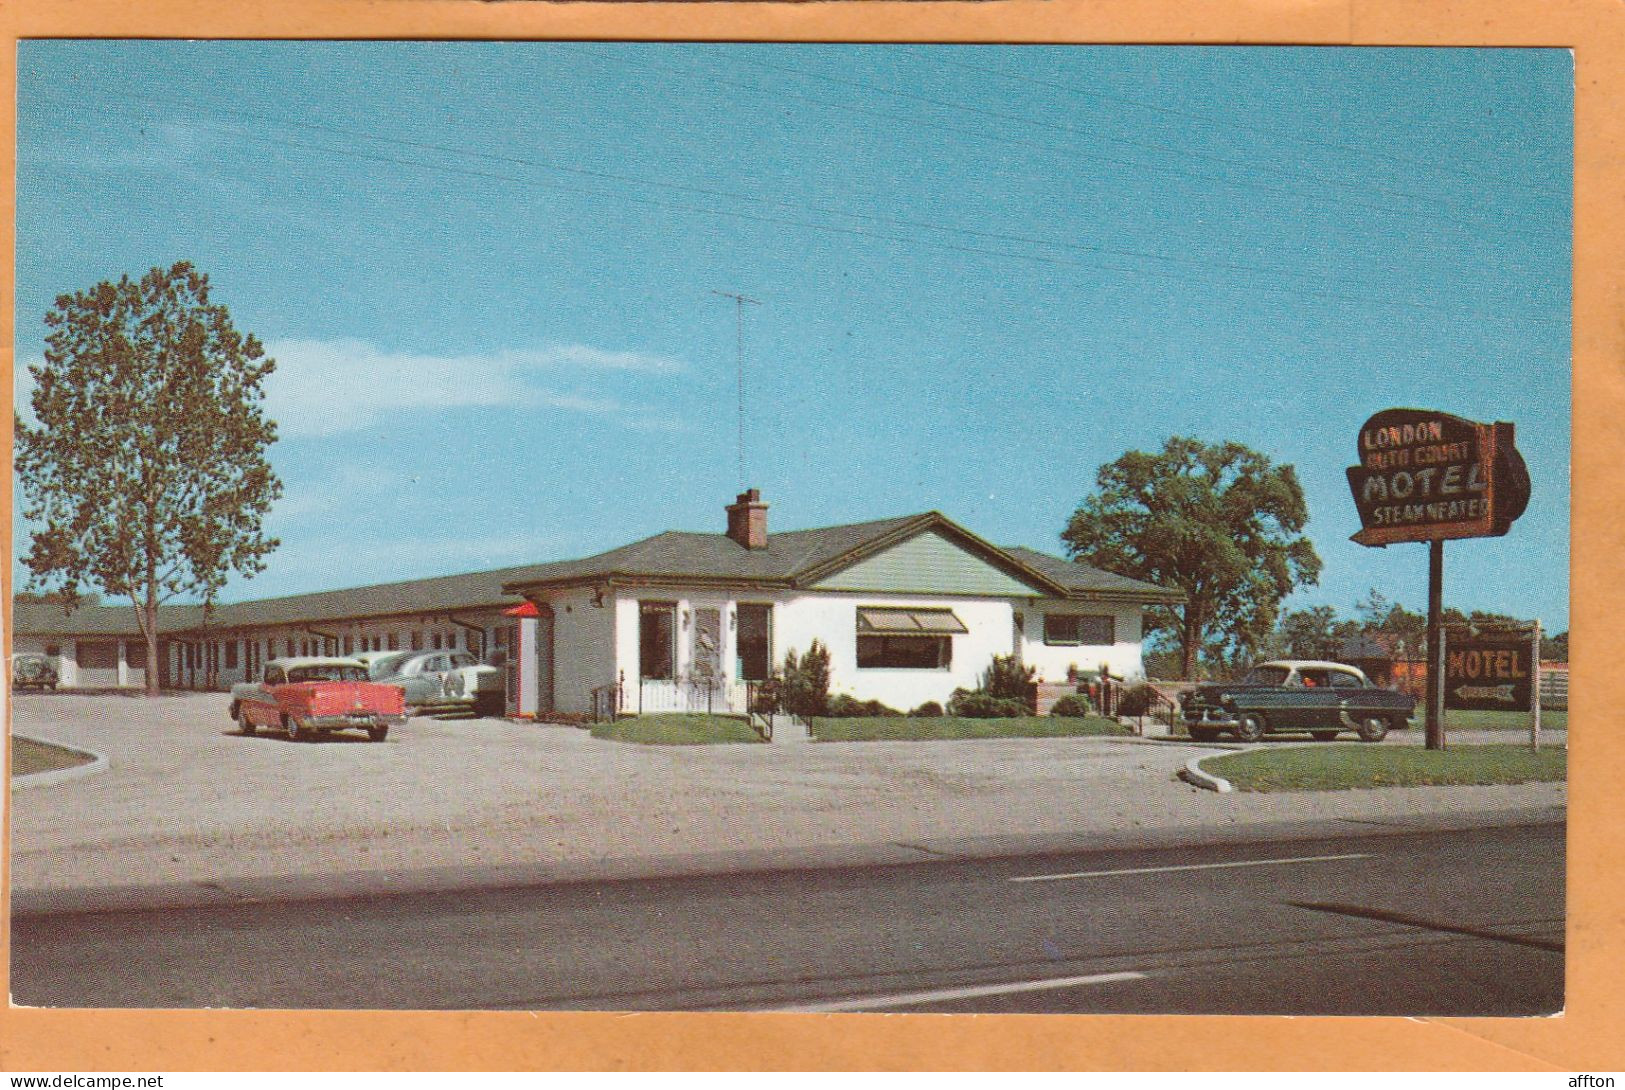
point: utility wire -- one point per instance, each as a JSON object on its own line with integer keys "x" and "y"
{"x": 1231, "y": 123}
{"x": 1074, "y": 130}
{"x": 810, "y": 225}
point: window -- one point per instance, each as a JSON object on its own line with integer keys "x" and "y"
{"x": 273, "y": 675}
{"x": 417, "y": 640}
{"x": 135, "y": 654}
{"x": 290, "y": 647}
{"x": 656, "y": 639}
{"x": 231, "y": 654}
{"x": 52, "y": 650}
{"x": 1079, "y": 629}
{"x": 394, "y": 642}
{"x": 905, "y": 652}
{"x": 1342, "y": 679}
{"x": 754, "y": 659}
{"x": 349, "y": 644}
{"x": 906, "y": 639}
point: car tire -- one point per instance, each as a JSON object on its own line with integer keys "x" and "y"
{"x": 1250, "y": 728}
{"x": 1373, "y": 728}
{"x": 378, "y": 733}
{"x": 1323, "y": 735}
{"x": 1202, "y": 734}
{"x": 245, "y": 725}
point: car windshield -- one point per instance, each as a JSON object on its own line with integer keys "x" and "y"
{"x": 389, "y": 664}
{"x": 327, "y": 672}
{"x": 1266, "y": 675}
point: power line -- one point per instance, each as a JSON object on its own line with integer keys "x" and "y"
{"x": 825, "y": 227}
{"x": 1209, "y": 119}
{"x": 1070, "y": 129}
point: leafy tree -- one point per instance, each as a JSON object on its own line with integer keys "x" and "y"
{"x": 1218, "y": 521}
{"x": 145, "y": 471}
{"x": 1310, "y": 633}
{"x": 1555, "y": 648}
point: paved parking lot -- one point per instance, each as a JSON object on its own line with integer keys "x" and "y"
{"x": 187, "y": 799}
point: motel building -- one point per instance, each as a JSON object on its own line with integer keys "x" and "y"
{"x": 910, "y": 609}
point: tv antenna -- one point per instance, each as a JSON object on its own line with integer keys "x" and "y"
{"x": 739, "y": 348}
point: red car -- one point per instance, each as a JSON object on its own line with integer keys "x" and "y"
{"x": 310, "y": 696}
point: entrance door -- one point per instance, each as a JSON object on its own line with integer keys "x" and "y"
{"x": 754, "y": 660}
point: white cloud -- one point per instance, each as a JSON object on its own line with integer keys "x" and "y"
{"x": 329, "y": 387}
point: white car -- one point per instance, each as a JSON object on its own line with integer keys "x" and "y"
{"x": 442, "y": 680}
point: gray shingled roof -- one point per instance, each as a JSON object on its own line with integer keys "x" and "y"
{"x": 789, "y": 558}
{"x": 1083, "y": 579}
{"x": 680, "y": 555}
{"x": 48, "y": 619}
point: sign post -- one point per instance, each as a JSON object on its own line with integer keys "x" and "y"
{"x": 1429, "y": 476}
{"x": 1534, "y": 719}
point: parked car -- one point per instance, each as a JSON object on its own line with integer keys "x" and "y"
{"x": 31, "y": 670}
{"x": 1322, "y": 699}
{"x": 379, "y": 663}
{"x": 310, "y": 696}
{"x": 444, "y": 680}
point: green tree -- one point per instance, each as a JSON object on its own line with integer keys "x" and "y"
{"x": 144, "y": 472}
{"x": 1310, "y": 633}
{"x": 1218, "y": 521}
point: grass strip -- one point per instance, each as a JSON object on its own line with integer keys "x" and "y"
{"x": 1350, "y": 767}
{"x": 1550, "y": 719}
{"x": 677, "y": 729}
{"x": 28, "y": 757}
{"x": 908, "y": 729}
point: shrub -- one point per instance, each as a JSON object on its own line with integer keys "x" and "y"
{"x": 804, "y": 685}
{"x": 842, "y": 706}
{"x": 1073, "y": 706}
{"x": 929, "y": 710}
{"x": 1007, "y": 678}
{"x": 977, "y": 704}
{"x": 1135, "y": 701}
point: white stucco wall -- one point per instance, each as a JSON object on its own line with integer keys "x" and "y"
{"x": 832, "y": 619}
{"x": 1122, "y": 656}
{"x": 584, "y": 654}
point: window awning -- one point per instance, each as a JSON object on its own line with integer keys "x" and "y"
{"x": 909, "y": 622}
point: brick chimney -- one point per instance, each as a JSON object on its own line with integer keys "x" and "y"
{"x": 747, "y": 520}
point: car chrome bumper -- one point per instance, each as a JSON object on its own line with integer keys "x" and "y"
{"x": 342, "y": 722}
{"x": 1209, "y": 717}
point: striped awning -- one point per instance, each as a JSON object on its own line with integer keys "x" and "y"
{"x": 909, "y": 622}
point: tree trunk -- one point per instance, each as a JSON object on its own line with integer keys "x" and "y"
{"x": 1190, "y": 638}
{"x": 150, "y": 636}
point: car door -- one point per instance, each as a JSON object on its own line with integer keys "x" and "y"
{"x": 1320, "y": 698}
{"x": 1351, "y": 692}
{"x": 259, "y": 701}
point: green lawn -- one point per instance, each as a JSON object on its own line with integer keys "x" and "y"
{"x": 676, "y": 729}
{"x": 1454, "y": 720}
{"x": 28, "y": 757}
{"x": 1342, "y": 767}
{"x": 905, "y": 729}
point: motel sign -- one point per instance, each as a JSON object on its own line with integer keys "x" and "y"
{"x": 1430, "y": 476}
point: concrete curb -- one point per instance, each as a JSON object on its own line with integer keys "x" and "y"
{"x": 97, "y": 763}
{"x": 1192, "y": 774}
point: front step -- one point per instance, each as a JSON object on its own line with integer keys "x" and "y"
{"x": 789, "y": 729}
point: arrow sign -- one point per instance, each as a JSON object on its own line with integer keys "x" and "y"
{"x": 1492, "y": 672}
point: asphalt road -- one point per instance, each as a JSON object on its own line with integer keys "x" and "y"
{"x": 1434, "y": 923}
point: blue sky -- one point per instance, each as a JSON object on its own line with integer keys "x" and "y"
{"x": 487, "y": 273}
